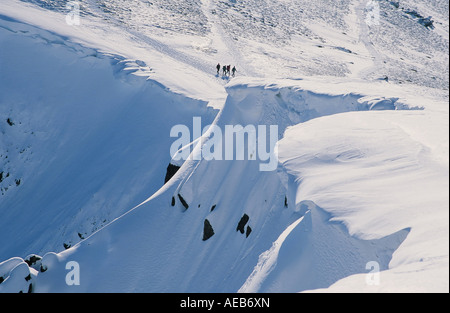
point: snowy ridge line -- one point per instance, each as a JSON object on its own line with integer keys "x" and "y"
{"x": 107, "y": 36}
{"x": 353, "y": 186}
{"x": 122, "y": 64}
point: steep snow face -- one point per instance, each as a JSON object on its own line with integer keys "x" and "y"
{"x": 83, "y": 138}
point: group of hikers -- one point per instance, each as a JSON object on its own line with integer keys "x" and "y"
{"x": 226, "y": 70}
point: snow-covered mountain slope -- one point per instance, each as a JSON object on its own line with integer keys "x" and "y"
{"x": 80, "y": 138}
{"x": 289, "y": 38}
{"x": 87, "y": 110}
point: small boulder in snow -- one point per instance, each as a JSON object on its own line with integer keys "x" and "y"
{"x": 183, "y": 202}
{"x": 33, "y": 261}
{"x": 242, "y": 223}
{"x": 208, "y": 231}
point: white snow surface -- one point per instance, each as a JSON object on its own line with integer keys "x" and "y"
{"x": 363, "y": 157}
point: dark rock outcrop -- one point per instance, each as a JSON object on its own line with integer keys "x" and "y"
{"x": 171, "y": 171}
{"x": 183, "y": 202}
{"x": 32, "y": 259}
{"x": 241, "y": 225}
{"x": 248, "y": 232}
{"x": 208, "y": 231}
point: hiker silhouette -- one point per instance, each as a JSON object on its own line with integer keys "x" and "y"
{"x": 226, "y": 70}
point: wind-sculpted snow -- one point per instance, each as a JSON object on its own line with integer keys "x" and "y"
{"x": 212, "y": 217}
{"x": 88, "y": 180}
{"x": 375, "y": 186}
